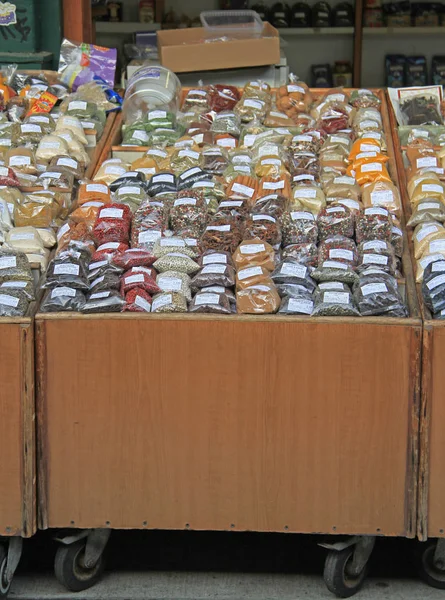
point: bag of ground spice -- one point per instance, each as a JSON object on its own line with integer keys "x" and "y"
{"x": 210, "y": 302}
{"x": 338, "y": 248}
{"x": 426, "y": 233}
{"x": 250, "y": 276}
{"x": 113, "y": 224}
{"x": 334, "y": 270}
{"x": 290, "y": 271}
{"x": 305, "y": 254}
{"x": 214, "y": 274}
{"x": 373, "y": 224}
{"x": 298, "y": 304}
{"x": 430, "y": 209}
{"x": 137, "y": 300}
{"x": 103, "y": 302}
{"x": 254, "y": 252}
{"x": 377, "y": 294}
{"x": 63, "y": 298}
{"x": 259, "y": 299}
{"x": 335, "y": 304}
{"x": 299, "y": 227}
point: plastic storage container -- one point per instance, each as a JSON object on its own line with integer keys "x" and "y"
{"x": 150, "y": 88}
{"x": 245, "y": 23}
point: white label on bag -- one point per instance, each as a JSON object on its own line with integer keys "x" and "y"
{"x": 309, "y": 193}
{"x": 349, "y": 203}
{"x": 206, "y": 298}
{"x": 340, "y": 253}
{"x": 212, "y": 268}
{"x": 371, "y": 167}
{"x": 203, "y": 184}
{"x": 41, "y": 119}
{"x": 161, "y": 301}
{"x": 147, "y": 171}
{"x": 110, "y": 169}
{"x": 197, "y": 93}
{"x": 129, "y": 189}
{"x": 5, "y": 142}
{"x": 66, "y": 269}
{"x": 431, "y": 187}
{"x": 215, "y": 258}
{"x": 227, "y": 142}
{"x": 52, "y": 145}
{"x": 140, "y": 135}
{"x": 189, "y": 153}
{"x": 154, "y": 152}
{"x": 148, "y": 236}
{"x": 331, "y": 285}
{"x": 439, "y": 265}
{"x": 439, "y": 280}
{"x": 97, "y": 281}
{"x": 332, "y": 264}
{"x": 280, "y": 115}
{"x": 18, "y": 161}
{"x": 271, "y": 161}
{"x": 382, "y": 197}
{"x": 77, "y": 105}
{"x": 376, "y": 211}
{"x": 189, "y": 173}
{"x": 426, "y": 161}
{"x": 63, "y": 291}
{"x": 295, "y": 88}
{"x": 70, "y": 162}
{"x": 198, "y": 138}
{"x": 252, "y": 248}
{"x": 345, "y": 180}
{"x": 4, "y": 171}
{"x": 373, "y": 288}
{"x": 156, "y": 114}
{"x": 428, "y": 205}
{"x": 258, "y": 104}
{"x": 218, "y": 289}
{"x": 302, "y": 138}
{"x": 96, "y": 187}
{"x": 62, "y": 231}
{"x": 134, "y": 278}
{"x": 375, "y": 259}
{"x": 185, "y": 202}
{"x": 87, "y": 125}
{"x": 423, "y": 233}
{"x": 8, "y": 300}
{"x": 437, "y": 246}
{"x": 426, "y": 260}
{"x": 366, "y": 155}
{"x": 293, "y": 270}
{"x": 99, "y": 295}
{"x": 369, "y": 123}
{"x": 264, "y": 218}
{"x": 163, "y": 178}
{"x": 14, "y": 284}
{"x": 336, "y": 139}
{"x": 242, "y": 169}
{"x": 299, "y": 215}
{"x": 273, "y": 185}
{"x": 50, "y": 175}
{"x": 303, "y": 177}
{"x": 172, "y": 242}
{"x": 334, "y": 97}
{"x": 97, "y": 264}
{"x": 93, "y": 204}
{"x": 231, "y": 204}
{"x": 369, "y": 148}
{"x": 336, "y": 297}
{"x": 374, "y": 244}
{"x": 218, "y": 228}
{"x": 418, "y": 133}
{"x": 142, "y": 303}
{"x": 249, "y": 272}
{"x": 301, "y": 306}
{"x": 21, "y": 236}
{"x": 169, "y": 284}
{"x": 111, "y": 213}
{"x": 335, "y": 209}
{"x": 29, "y": 128}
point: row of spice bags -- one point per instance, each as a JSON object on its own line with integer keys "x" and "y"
{"x": 43, "y": 154}
{"x": 425, "y": 177}
{"x": 300, "y": 218}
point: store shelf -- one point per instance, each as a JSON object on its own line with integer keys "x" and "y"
{"x": 294, "y": 31}
{"x": 410, "y": 31}
{"x": 125, "y": 27}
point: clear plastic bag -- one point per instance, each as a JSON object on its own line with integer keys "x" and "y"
{"x": 23, "y": 288}
{"x": 299, "y": 227}
{"x": 259, "y": 299}
{"x": 139, "y": 277}
{"x": 333, "y": 270}
{"x": 189, "y": 210}
{"x": 338, "y": 248}
{"x": 335, "y": 304}
{"x": 25, "y": 239}
{"x": 169, "y": 302}
{"x": 214, "y": 274}
{"x": 222, "y": 234}
{"x": 223, "y": 97}
{"x": 63, "y": 299}
{"x": 113, "y": 224}
{"x": 137, "y": 300}
{"x": 66, "y": 270}
{"x": 250, "y": 276}
{"x": 250, "y": 108}
{"x": 384, "y": 194}
{"x": 168, "y": 245}
{"x": 12, "y": 304}
{"x": 335, "y": 220}
{"x": 310, "y": 198}
{"x": 377, "y": 294}
{"x": 162, "y": 183}
{"x": 176, "y": 261}
{"x": 210, "y": 302}
{"x": 174, "y": 281}
{"x": 215, "y": 257}
{"x": 14, "y": 266}
{"x": 103, "y": 302}
{"x": 297, "y": 304}
{"x": 306, "y": 253}
{"x": 289, "y": 271}
{"x": 110, "y": 170}
{"x": 426, "y": 233}
{"x": 433, "y": 286}
{"x": 377, "y": 253}
{"x": 264, "y": 227}
{"x": 254, "y": 252}
{"x": 373, "y": 224}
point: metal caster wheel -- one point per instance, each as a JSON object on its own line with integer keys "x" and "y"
{"x": 432, "y": 570}
{"x": 70, "y": 569}
{"x": 339, "y": 576}
{"x": 4, "y": 583}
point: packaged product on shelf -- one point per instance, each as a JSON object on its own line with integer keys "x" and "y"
{"x": 103, "y": 302}
{"x": 330, "y": 303}
{"x": 260, "y": 299}
{"x": 169, "y": 302}
{"x": 137, "y": 300}
{"x": 63, "y": 298}
{"x": 210, "y": 302}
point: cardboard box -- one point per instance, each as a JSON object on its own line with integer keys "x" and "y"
{"x": 185, "y": 50}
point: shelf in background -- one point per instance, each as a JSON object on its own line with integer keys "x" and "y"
{"x": 316, "y": 31}
{"x": 125, "y": 27}
{"x": 403, "y": 31}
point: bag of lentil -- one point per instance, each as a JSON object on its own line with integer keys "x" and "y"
{"x": 254, "y": 252}
{"x": 297, "y": 304}
{"x": 210, "y": 302}
{"x": 61, "y": 299}
{"x": 174, "y": 281}
{"x": 335, "y": 304}
{"x": 169, "y": 302}
{"x": 176, "y": 261}
{"x": 214, "y": 274}
{"x": 333, "y": 270}
{"x": 290, "y": 271}
{"x": 373, "y": 224}
{"x": 103, "y": 302}
{"x": 433, "y": 286}
{"x": 377, "y": 294}
{"x": 168, "y": 245}
{"x": 339, "y": 248}
{"x": 137, "y": 300}
{"x": 259, "y": 299}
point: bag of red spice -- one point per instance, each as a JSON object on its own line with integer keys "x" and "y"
{"x": 137, "y": 300}
{"x": 134, "y": 257}
{"x": 140, "y": 279}
{"x": 8, "y": 177}
{"x": 113, "y": 224}
{"x": 109, "y": 248}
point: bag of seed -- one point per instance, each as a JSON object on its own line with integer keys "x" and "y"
{"x": 210, "y": 302}
{"x": 377, "y": 253}
{"x": 376, "y": 293}
{"x": 67, "y": 269}
{"x": 333, "y": 270}
{"x": 290, "y": 271}
{"x": 169, "y": 302}
{"x": 301, "y": 304}
{"x": 213, "y": 257}
{"x": 433, "y": 286}
{"x": 162, "y": 183}
{"x": 299, "y": 227}
{"x": 63, "y": 298}
{"x": 176, "y": 261}
{"x": 305, "y": 254}
{"x": 214, "y": 274}
{"x": 168, "y": 245}
{"x": 189, "y": 211}
{"x": 373, "y": 224}
{"x": 331, "y": 303}
{"x": 103, "y": 302}
{"x": 338, "y": 248}
{"x": 137, "y": 300}
{"x": 174, "y": 281}
{"x": 335, "y": 220}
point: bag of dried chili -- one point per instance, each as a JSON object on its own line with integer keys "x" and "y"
{"x": 113, "y": 224}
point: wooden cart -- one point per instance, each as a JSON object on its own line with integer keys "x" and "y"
{"x": 431, "y": 486}
{"x": 17, "y": 443}
{"x": 274, "y": 423}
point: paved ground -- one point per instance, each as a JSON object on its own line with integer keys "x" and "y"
{"x": 220, "y": 566}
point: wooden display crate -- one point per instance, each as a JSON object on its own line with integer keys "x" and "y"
{"x": 264, "y": 423}
{"x": 431, "y": 487}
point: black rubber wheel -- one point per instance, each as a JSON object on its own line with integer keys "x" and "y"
{"x": 70, "y": 569}
{"x": 428, "y": 571}
{"x": 4, "y": 585}
{"x": 336, "y": 576}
